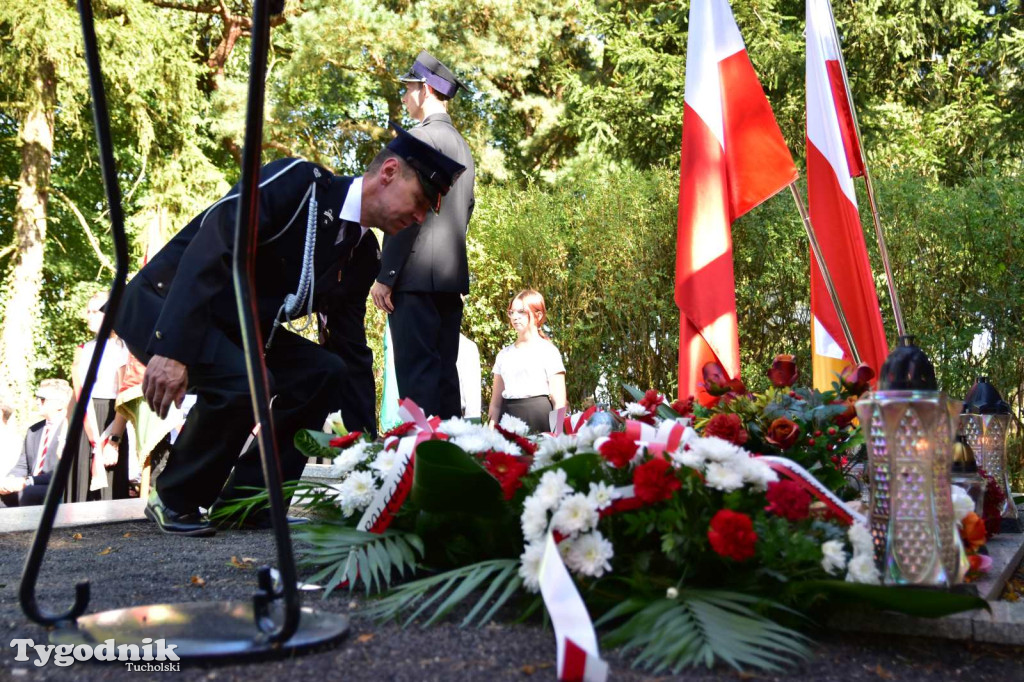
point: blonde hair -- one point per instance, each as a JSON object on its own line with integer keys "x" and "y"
{"x": 533, "y": 301}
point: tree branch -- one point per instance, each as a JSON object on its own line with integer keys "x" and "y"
{"x": 93, "y": 241}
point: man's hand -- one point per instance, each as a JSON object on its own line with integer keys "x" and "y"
{"x": 381, "y": 295}
{"x": 164, "y": 383}
{"x": 12, "y": 484}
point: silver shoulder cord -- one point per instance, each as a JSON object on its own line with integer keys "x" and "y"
{"x": 292, "y": 302}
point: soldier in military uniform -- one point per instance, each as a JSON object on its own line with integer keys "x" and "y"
{"x": 424, "y": 271}
{"x": 179, "y": 316}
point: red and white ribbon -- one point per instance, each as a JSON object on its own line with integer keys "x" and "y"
{"x": 795, "y": 472}
{"x": 664, "y": 438}
{"x": 579, "y": 658}
{"x": 556, "y": 418}
{"x": 574, "y": 423}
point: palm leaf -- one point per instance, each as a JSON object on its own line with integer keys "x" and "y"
{"x": 315, "y": 443}
{"x": 317, "y": 499}
{"x": 704, "y": 627}
{"x": 450, "y": 589}
{"x": 349, "y": 555}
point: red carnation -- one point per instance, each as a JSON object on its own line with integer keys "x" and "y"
{"x": 508, "y": 469}
{"x": 684, "y": 408}
{"x": 732, "y": 535}
{"x": 727, "y": 427}
{"x": 782, "y": 433}
{"x": 788, "y": 500}
{"x": 400, "y": 430}
{"x": 344, "y": 441}
{"x": 524, "y": 444}
{"x": 655, "y": 480}
{"x": 651, "y": 400}
{"x": 619, "y": 449}
{"x": 783, "y": 372}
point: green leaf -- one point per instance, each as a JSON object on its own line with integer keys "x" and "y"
{"x": 914, "y": 601}
{"x": 447, "y": 479}
{"x": 664, "y": 411}
{"x": 315, "y": 443}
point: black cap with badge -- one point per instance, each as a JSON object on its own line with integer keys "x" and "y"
{"x": 437, "y": 172}
{"x": 428, "y": 69}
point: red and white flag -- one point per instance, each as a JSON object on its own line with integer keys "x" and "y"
{"x": 733, "y": 158}
{"x": 833, "y": 160}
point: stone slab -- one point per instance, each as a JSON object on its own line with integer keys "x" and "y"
{"x": 14, "y": 519}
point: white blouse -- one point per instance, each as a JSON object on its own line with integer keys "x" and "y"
{"x": 526, "y": 370}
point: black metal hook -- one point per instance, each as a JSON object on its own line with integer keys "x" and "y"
{"x": 243, "y": 278}
{"x": 58, "y": 482}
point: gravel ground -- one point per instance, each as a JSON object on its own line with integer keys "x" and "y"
{"x": 132, "y": 564}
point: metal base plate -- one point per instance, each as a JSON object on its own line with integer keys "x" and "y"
{"x": 203, "y": 630}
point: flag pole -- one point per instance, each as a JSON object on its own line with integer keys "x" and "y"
{"x": 816, "y": 250}
{"x": 882, "y": 250}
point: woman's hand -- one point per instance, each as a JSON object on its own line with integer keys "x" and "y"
{"x": 109, "y": 454}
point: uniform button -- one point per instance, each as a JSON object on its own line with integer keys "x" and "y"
{"x": 159, "y": 285}
{"x": 391, "y": 274}
{"x": 159, "y": 334}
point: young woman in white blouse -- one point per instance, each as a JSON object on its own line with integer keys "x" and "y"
{"x": 529, "y": 377}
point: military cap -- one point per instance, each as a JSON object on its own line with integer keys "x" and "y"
{"x": 437, "y": 172}
{"x": 428, "y": 69}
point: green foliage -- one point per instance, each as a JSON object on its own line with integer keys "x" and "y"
{"x": 346, "y": 555}
{"x": 704, "y": 626}
{"x": 315, "y": 444}
{"x": 923, "y": 602}
{"x": 451, "y": 589}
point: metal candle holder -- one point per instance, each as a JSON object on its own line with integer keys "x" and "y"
{"x": 983, "y": 426}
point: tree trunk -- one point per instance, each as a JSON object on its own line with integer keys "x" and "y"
{"x": 21, "y": 312}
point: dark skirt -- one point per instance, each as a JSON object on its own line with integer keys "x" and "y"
{"x": 535, "y": 411}
{"x": 117, "y": 477}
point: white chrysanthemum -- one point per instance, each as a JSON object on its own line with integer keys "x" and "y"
{"x": 357, "y": 491}
{"x": 861, "y": 539}
{"x": 514, "y": 425}
{"x": 471, "y": 442}
{"x": 576, "y": 514}
{"x": 962, "y": 503}
{"x": 350, "y": 458}
{"x": 862, "y": 569}
{"x": 601, "y": 495}
{"x": 529, "y": 565}
{"x": 723, "y": 477}
{"x": 758, "y": 474}
{"x": 534, "y": 519}
{"x": 457, "y": 427}
{"x": 586, "y": 435}
{"x": 635, "y": 410}
{"x": 334, "y": 424}
{"x": 591, "y": 554}
{"x": 689, "y": 457}
{"x": 552, "y": 488}
{"x": 833, "y": 558}
{"x": 385, "y": 462}
{"x": 553, "y": 449}
{"x": 716, "y": 449}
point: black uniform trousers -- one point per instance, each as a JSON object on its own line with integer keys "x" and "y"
{"x": 425, "y": 326}
{"x": 306, "y": 384}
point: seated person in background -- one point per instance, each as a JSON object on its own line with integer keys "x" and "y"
{"x": 27, "y": 482}
{"x": 529, "y": 377}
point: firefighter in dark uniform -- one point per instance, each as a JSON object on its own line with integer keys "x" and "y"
{"x": 424, "y": 271}
{"x": 179, "y": 316}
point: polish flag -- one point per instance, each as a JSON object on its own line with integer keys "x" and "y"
{"x": 733, "y": 158}
{"x": 833, "y": 160}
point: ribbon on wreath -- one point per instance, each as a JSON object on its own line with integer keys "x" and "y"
{"x": 661, "y": 439}
{"x": 803, "y": 478}
{"x": 579, "y": 658}
{"x": 572, "y": 424}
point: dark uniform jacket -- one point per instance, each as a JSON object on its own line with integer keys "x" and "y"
{"x": 170, "y": 307}
{"x": 432, "y": 256}
{"x": 30, "y": 449}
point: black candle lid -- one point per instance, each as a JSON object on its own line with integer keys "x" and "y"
{"x": 907, "y": 368}
{"x": 983, "y": 398}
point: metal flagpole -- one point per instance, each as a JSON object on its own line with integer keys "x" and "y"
{"x": 816, "y": 250}
{"x": 882, "y": 250}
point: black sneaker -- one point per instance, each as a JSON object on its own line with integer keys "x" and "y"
{"x": 193, "y": 524}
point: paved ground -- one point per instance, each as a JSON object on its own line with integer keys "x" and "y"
{"x": 132, "y": 564}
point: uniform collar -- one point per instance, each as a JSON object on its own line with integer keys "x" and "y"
{"x": 440, "y": 116}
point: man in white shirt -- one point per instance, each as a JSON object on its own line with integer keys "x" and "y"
{"x": 27, "y": 482}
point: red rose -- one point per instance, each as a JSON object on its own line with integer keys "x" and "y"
{"x": 619, "y": 449}
{"x": 783, "y": 372}
{"x": 788, "y": 500}
{"x": 508, "y": 469}
{"x": 732, "y": 535}
{"x": 651, "y": 400}
{"x": 525, "y": 445}
{"x": 846, "y": 418}
{"x": 727, "y": 427}
{"x": 684, "y": 408}
{"x": 782, "y": 433}
{"x": 344, "y": 441}
{"x": 857, "y": 380}
{"x": 400, "y": 430}
{"x": 972, "y": 532}
{"x": 655, "y": 480}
